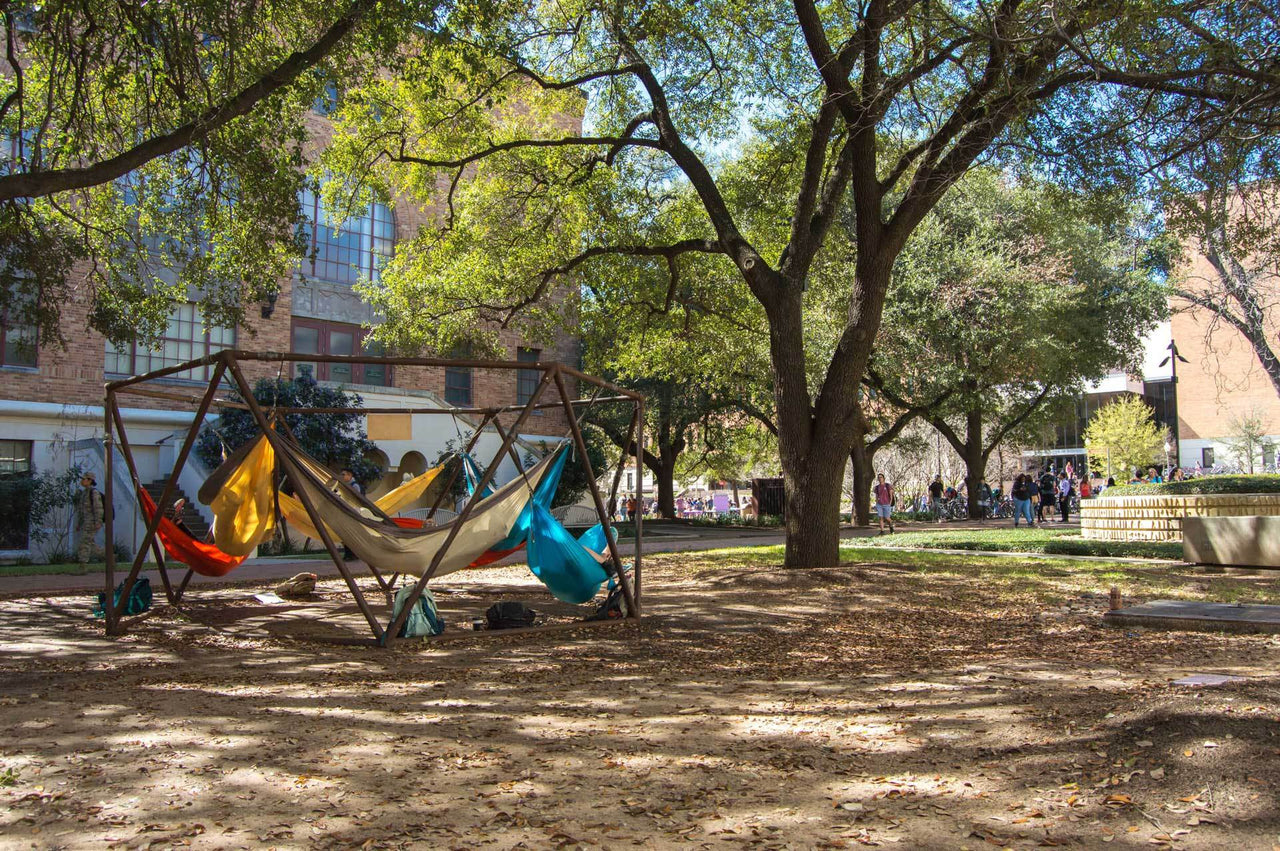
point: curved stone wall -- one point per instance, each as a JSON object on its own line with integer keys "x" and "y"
{"x": 1159, "y": 518}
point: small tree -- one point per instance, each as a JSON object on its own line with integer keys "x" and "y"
{"x": 335, "y": 440}
{"x": 1124, "y": 435}
{"x": 1247, "y": 438}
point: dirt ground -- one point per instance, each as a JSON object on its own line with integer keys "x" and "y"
{"x": 915, "y": 702}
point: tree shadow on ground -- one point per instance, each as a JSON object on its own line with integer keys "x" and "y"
{"x": 778, "y": 708}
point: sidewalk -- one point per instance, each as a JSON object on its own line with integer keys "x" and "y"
{"x": 677, "y": 538}
{"x": 272, "y": 569}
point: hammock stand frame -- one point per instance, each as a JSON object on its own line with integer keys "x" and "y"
{"x": 226, "y": 364}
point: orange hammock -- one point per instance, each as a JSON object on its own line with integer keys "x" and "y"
{"x": 204, "y": 559}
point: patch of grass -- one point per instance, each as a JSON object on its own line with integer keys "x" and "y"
{"x": 1047, "y": 541}
{"x": 1049, "y": 581}
{"x": 9, "y": 777}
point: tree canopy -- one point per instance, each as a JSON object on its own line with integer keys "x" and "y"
{"x": 164, "y": 145}
{"x": 335, "y": 440}
{"x": 870, "y": 111}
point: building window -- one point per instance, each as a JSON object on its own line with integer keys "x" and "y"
{"x": 15, "y": 494}
{"x": 457, "y": 386}
{"x": 1206, "y": 457}
{"x": 343, "y": 254}
{"x": 185, "y": 338}
{"x": 1268, "y": 455}
{"x": 527, "y": 379}
{"x": 331, "y": 338}
{"x": 17, "y": 341}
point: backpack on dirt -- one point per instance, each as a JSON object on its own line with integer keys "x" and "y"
{"x": 510, "y": 616}
{"x": 139, "y": 598}
{"x": 614, "y": 606}
{"x": 423, "y": 619}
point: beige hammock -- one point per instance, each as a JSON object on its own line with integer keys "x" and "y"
{"x": 383, "y": 544}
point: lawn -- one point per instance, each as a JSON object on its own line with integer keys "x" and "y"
{"x": 1039, "y": 540}
{"x": 905, "y": 699}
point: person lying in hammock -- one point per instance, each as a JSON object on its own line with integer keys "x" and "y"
{"x": 175, "y": 514}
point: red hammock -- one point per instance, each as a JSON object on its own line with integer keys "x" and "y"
{"x": 487, "y": 557}
{"x": 204, "y": 559}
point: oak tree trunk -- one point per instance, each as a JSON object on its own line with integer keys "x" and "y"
{"x": 860, "y": 458}
{"x": 975, "y": 461}
{"x": 664, "y": 474}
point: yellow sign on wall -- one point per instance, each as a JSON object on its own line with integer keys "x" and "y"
{"x": 390, "y": 426}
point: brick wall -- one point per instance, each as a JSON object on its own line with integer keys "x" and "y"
{"x": 1224, "y": 378}
{"x": 75, "y": 376}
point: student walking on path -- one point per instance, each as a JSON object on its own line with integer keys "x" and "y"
{"x": 1065, "y": 492}
{"x": 884, "y": 502}
{"x": 935, "y": 497}
{"x": 1021, "y": 501}
{"x": 90, "y": 515}
{"x": 1048, "y": 495}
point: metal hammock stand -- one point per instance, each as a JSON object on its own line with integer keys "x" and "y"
{"x": 226, "y": 365}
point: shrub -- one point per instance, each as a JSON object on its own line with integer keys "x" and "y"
{"x": 1269, "y": 483}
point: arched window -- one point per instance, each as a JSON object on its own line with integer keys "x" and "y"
{"x": 358, "y": 248}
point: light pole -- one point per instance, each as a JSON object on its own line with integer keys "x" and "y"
{"x": 1172, "y": 360}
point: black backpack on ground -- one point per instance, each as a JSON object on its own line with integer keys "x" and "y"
{"x": 614, "y": 606}
{"x": 510, "y": 616}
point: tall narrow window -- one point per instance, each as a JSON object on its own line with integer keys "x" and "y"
{"x": 357, "y": 248}
{"x": 15, "y": 494}
{"x": 527, "y": 379}
{"x": 185, "y": 338}
{"x": 17, "y": 340}
{"x": 1206, "y": 457}
{"x": 457, "y": 386}
{"x": 314, "y": 337}
{"x": 457, "y": 379}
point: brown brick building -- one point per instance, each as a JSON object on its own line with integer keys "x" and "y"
{"x": 1223, "y": 381}
{"x": 1220, "y": 383}
{"x": 51, "y": 399}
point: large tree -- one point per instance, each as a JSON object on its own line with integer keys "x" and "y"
{"x": 874, "y": 108}
{"x": 164, "y": 144}
{"x": 1009, "y": 298}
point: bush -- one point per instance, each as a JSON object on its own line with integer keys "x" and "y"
{"x": 1269, "y": 483}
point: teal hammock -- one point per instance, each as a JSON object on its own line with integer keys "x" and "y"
{"x": 562, "y": 563}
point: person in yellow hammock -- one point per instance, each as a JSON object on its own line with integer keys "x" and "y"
{"x": 348, "y": 478}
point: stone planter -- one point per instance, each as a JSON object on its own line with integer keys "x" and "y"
{"x": 1159, "y": 518}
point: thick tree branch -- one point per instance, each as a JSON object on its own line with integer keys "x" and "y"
{"x": 44, "y": 183}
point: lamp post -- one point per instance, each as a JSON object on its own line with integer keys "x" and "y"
{"x": 1172, "y": 360}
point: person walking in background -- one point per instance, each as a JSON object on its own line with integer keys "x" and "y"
{"x": 1065, "y": 491}
{"x": 1035, "y": 499}
{"x": 91, "y": 513}
{"x": 348, "y": 478}
{"x": 935, "y": 497}
{"x": 884, "y": 502}
{"x": 1048, "y": 493}
{"x": 1086, "y": 487}
{"x": 1021, "y": 501}
{"x": 632, "y": 507}
{"x": 984, "y": 500}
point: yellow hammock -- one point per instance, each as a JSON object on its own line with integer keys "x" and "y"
{"x": 240, "y": 495}
{"x": 390, "y": 502}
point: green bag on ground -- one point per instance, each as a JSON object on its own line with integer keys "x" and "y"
{"x": 139, "y": 598}
{"x": 423, "y": 620}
